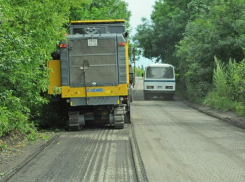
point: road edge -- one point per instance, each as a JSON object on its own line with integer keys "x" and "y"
{"x": 226, "y": 116}
{"x": 138, "y": 162}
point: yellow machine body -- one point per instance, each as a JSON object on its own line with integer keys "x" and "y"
{"x": 69, "y": 92}
{"x": 54, "y": 76}
{"x": 96, "y": 21}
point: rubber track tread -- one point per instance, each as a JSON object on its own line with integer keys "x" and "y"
{"x": 119, "y": 118}
{"x": 74, "y": 121}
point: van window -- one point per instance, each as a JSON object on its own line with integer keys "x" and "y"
{"x": 160, "y": 72}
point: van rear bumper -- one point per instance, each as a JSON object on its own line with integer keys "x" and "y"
{"x": 158, "y": 92}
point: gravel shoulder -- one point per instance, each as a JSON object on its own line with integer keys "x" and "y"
{"x": 226, "y": 116}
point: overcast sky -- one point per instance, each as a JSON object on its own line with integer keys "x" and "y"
{"x": 139, "y": 9}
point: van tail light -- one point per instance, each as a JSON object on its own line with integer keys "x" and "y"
{"x": 150, "y": 87}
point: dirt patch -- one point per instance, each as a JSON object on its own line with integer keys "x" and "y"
{"x": 14, "y": 139}
{"x": 15, "y": 148}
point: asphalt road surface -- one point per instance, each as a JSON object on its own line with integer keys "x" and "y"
{"x": 93, "y": 154}
{"x": 167, "y": 141}
{"x": 178, "y": 143}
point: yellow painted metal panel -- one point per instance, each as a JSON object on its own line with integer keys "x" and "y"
{"x": 103, "y": 91}
{"x": 97, "y": 21}
{"x": 55, "y": 78}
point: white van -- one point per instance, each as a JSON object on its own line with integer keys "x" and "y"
{"x": 159, "y": 80}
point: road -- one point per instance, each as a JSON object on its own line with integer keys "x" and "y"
{"x": 167, "y": 141}
{"x": 93, "y": 154}
{"x": 178, "y": 143}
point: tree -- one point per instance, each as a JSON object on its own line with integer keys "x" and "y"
{"x": 217, "y": 31}
{"x": 159, "y": 36}
{"x": 101, "y": 10}
{"x": 28, "y": 35}
{"x": 188, "y": 34}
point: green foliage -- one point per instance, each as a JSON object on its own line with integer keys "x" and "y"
{"x": 101, "y": 10}
{"x": 28, "y": 35}
{"x": 57, "y": 90}
{"x": 220, "y": 79}
{"x": 144, "y": 39}
{"x": 139, "y": 72}
{"x": 3, "y": 147}
{"x": 13, "y": 115}
{"x": 29, "y": 32}
{"x": 43, "y": 136}
{"x": 238, "y": 80}
{"x": 32, "y": 136}
{"x": 214, "y": 100}
{"x": 142, "y": 67}
{"x": 219, "y": 97}
{"x": 229, "y": 87}
{"x": 159, "y": 36}
{"x": 188, "y": 34}
{"x": 217, "y": 30}
{"x": 239, "y": 108}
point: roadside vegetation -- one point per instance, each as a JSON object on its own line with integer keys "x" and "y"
{"x": 139, "y": 72}
{"x": 204, "y": 40}
{"x": 29, "y": 33}
{"x": 228, "y": 87}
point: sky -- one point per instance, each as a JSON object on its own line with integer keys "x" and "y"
{"x": 139, "y": 9}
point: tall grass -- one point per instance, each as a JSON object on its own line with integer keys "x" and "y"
{"x": 228, "y": 89}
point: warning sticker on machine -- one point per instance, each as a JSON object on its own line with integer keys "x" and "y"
{"x": 92, "y": 42}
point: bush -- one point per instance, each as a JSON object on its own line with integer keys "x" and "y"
{"x": 28, "y": 35}
{"x": 215, "y": 100}
{"x": 139, "y": 72}
{"x": 228, "y": 87}
{"x": 13, "y": 115}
